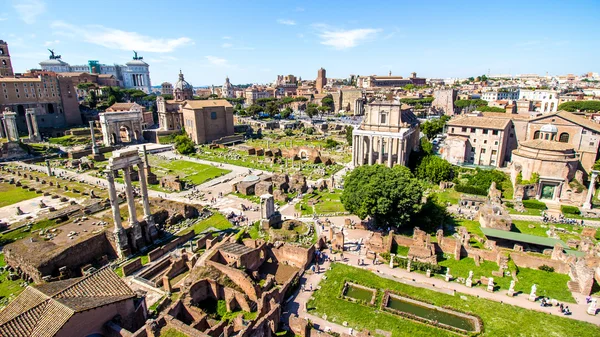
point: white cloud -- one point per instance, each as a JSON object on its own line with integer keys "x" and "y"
{"x": 3, "y": 18}
{"x": 29, "y": 10}
{"x": 119, "y": 39}
{"x": 162, "y": 59}
{"x": 51, "y": 43}
{"x": 226, "y": 37}
{"x": 286, "y": 22}
{"x": 299, "y": 9}
{"x": 344, "y": 39}
{"x": 300, "y": 35}
{"x": 217, "y": 61}
{"x": 226, "y": 45}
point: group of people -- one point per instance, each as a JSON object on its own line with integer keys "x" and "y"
{"x": 564, "y": 309}
{"x": 561, "y": 219}
{"x": 237, "y": 220}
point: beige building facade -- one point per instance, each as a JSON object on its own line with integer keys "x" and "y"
{"x": 478, "y": 140}
{"x": 208, "y": 120}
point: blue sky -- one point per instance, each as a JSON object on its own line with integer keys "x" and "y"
{"x": 253, "y": 41}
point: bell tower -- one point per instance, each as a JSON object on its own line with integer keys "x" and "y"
{"x": 6, "y": 69}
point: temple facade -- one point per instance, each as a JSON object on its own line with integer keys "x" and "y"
{"x": 388, "y": 134}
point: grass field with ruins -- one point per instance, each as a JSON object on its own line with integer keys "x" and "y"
{"x": 11, "y": 194}
{"x": 498, "y": 319}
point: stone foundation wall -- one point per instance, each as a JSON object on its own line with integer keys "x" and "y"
{"x": 239, "y": 278}
{"x": 522, "y": 260}
{"x": 295, "y": 256}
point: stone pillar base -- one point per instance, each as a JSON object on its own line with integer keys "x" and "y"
{"x": 592, "y": 311}
{"x": 151, "y": 231}
{"x": 151, "y": 177}
{"x": 122, "y": 243}
{"x": 510, "y": 293}
{"x": 138, "y": 237}
{"x": 97, "y": 157}
{"x": 532, "y": 298}
{"x": 587, "y": 205}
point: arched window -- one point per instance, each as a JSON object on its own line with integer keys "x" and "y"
{"x": 3, "y": 62}
{"x": 536, "y": 135}
{"x": 564, "y": 137}
{"x": 1, "y": 51}
{"x": 547, "y": 136}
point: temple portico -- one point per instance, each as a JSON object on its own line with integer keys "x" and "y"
{"x": 387, "y": 135}
{"x": 388, "y": 148}
{"x": 126, "y": 160}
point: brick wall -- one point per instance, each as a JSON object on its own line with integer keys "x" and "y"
{"x": 522, "y": 260}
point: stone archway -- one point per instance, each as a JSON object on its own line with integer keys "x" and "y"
{"x": 121, "y": 127}
{"x": 125, "y": 134}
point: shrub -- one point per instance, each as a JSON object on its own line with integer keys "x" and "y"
{"x": 546, "y": 268}
{"x": 470, "y": 190}
{"x": 534, "y": 204}
{"x": 509, "y": 204}
{"x": 288, "y": 132}
{"x": 565, "y": 209}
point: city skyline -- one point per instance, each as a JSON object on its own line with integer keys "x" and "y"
{"x": 253, "y": 44}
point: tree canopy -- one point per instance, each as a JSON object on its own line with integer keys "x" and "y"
{"x": 349, "y": 129}
{"x": 485, "y": 108}
{"x": 434, "y": 169}
{"x": 589, "y": 106}
{"x": 184, "y": 144}
{"x": 433, "y": 127}
{"x": 390, "y": 195}
{"x": 311, "y": 110}
{"x": 463, "y": 103}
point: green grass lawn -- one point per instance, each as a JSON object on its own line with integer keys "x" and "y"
{"x": 326, "y": 202}
{"x": 217, "y": 220}
{"x": 11, "y": 194}
{"x": 401, "y": 250}
{"x": 472, "y": 226}
{"x": 553, "y": 285}
{"x": 171, "y": 332}
{"x": 527, "y": 211}
{"x": 498, "y": 319}
{"x": 194, "y": 173}
{"x": 8, "y": 288}
{"x": 523, "y": 227}
{"x": 448, "y": 196}
{"x": 21, "y": 233}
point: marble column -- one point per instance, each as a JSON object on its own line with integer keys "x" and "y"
{"x": 370, "y": 150}
{"x": 151, "y": 231}
{"x": 353, "y": 150}
{"x": 28, "y": 122}
{"x": 361, "y": 150}
{"x": 118, "y": 231}
{"x": 400, "y": 151}
{"x": 380, "y": 150}
{"x": 592, "y": 188}
{"x": 12, "y": 133}
{"x": 390, "y": 151}
{"x": 133, "y": 223}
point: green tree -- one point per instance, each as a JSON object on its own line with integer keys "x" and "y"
{"x": 349, "y": 129}
{"x": 300, "y": 99}
{"x": 254, "y": 109}
{"x": 272, "y": 109}
{"x": 167, "y": 96}
{"x": 213, "y": 96}
{"x": 184, "y": 144}
{"x": 409, "y": 87}
{"x": 392, "y": 196}
{"x": 91, "y": 99}
{"x": 426, "y": 146}
{"x": 432, "y": 215}
{"x": 463, "y": 103}
{"x": 324, "y": 109}
{"x": 588, "y": 106}
{"x": 435, "y": 126}
{"x": 286, "y": 113}
{"x": 331, "y": 143}
{"x": 311, "y": 110}
{"x": 434, "y": 169}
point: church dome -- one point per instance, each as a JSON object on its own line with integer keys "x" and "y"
{"x": 549, "y": 128}
{"x": 227, "y": 84}
{"x": 182, "y": 84}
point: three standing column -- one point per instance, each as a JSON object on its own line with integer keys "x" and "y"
{"x": 592, "y": 188}
{"x": 151, "y": 231}
{"x": 118, "y": 232}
